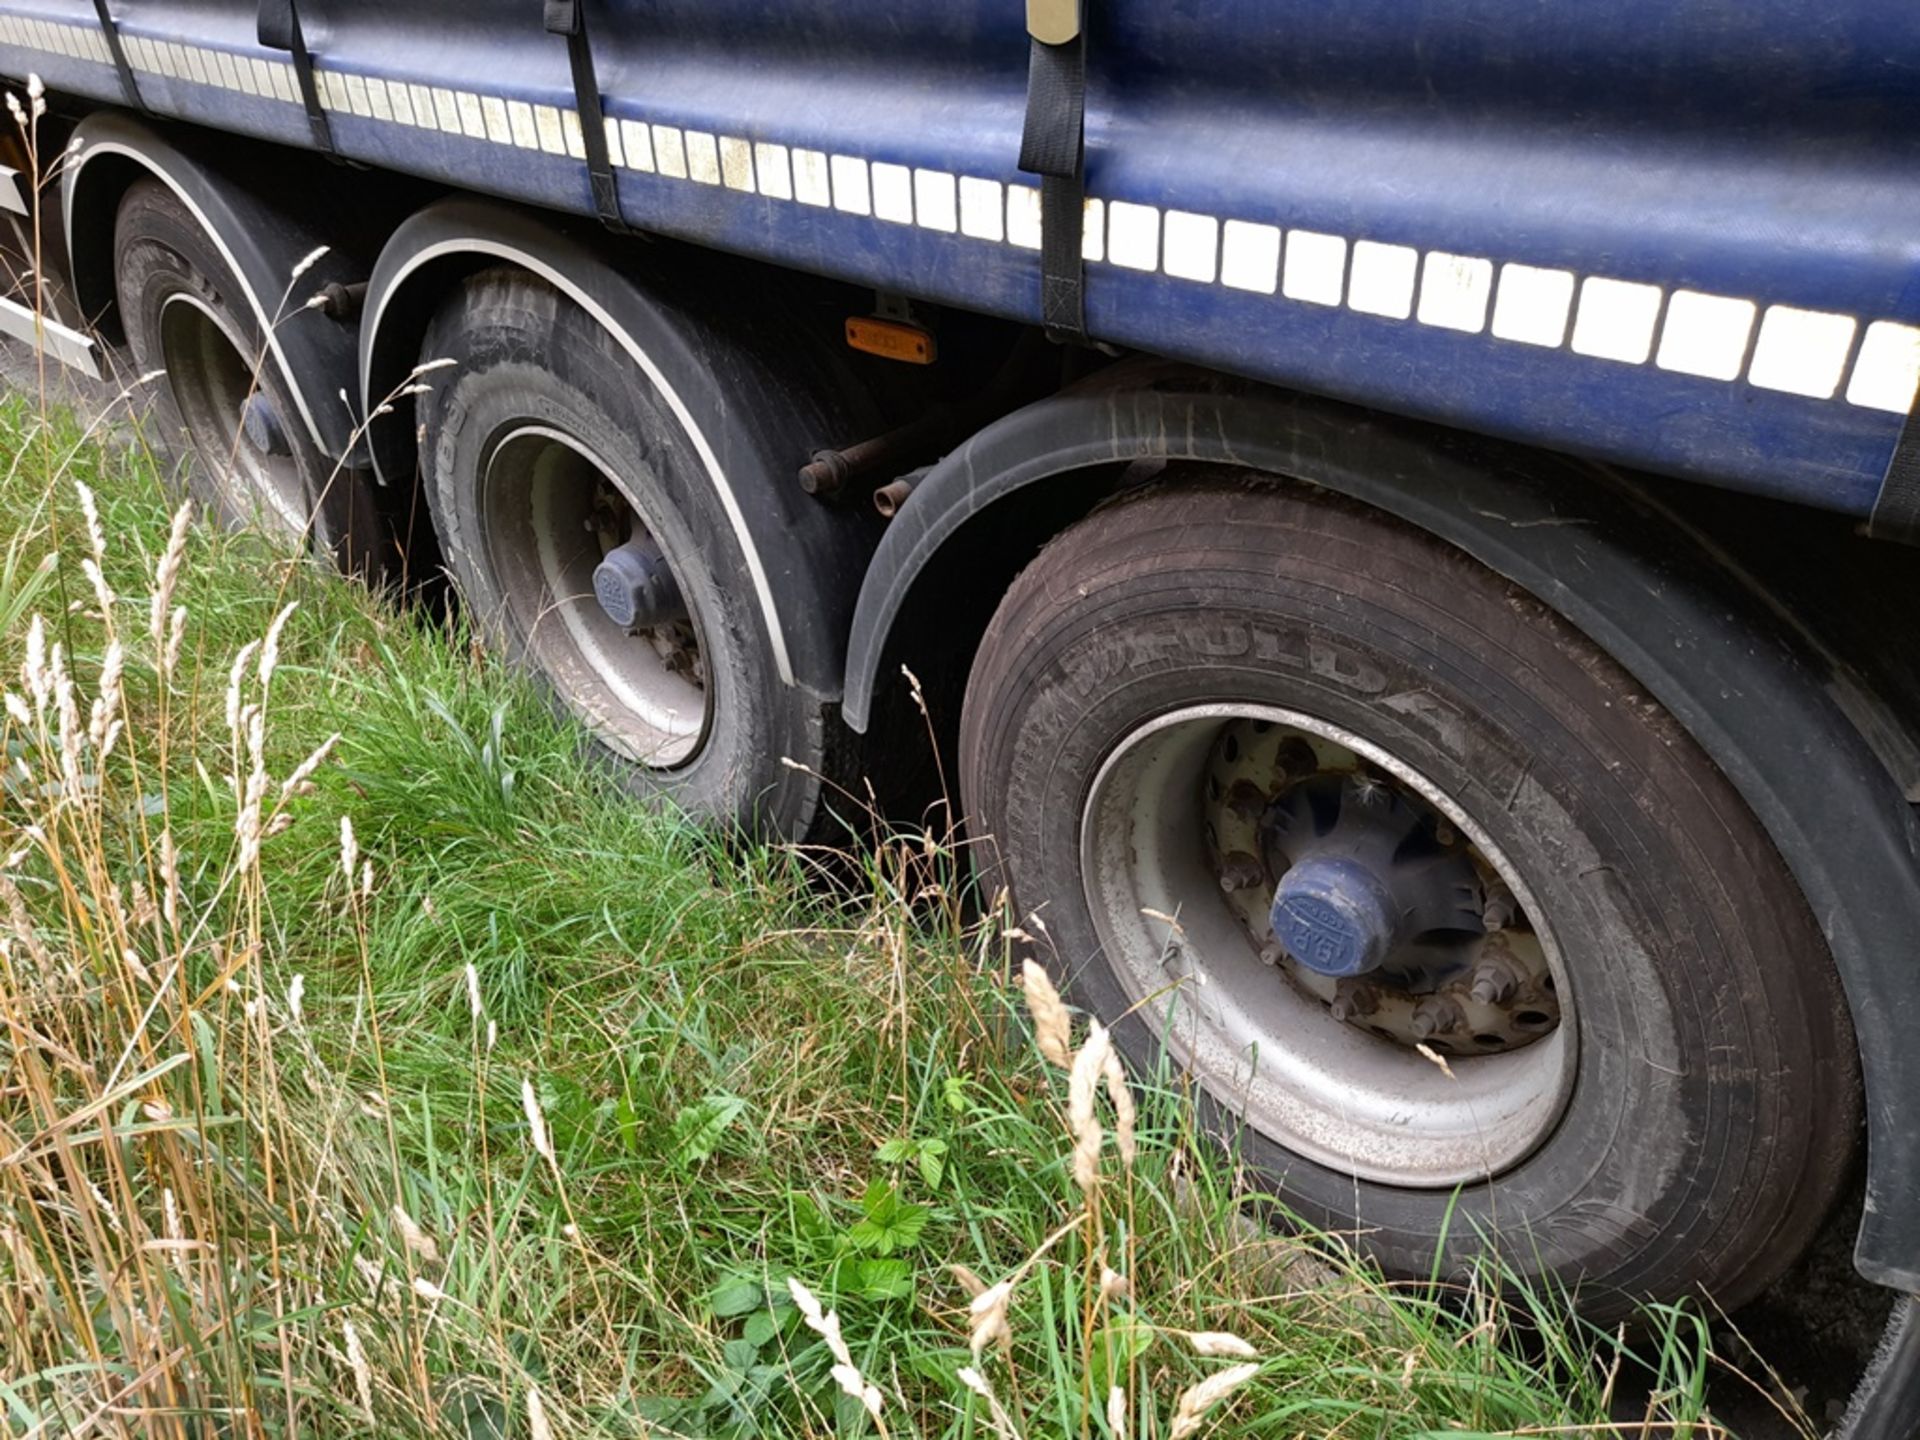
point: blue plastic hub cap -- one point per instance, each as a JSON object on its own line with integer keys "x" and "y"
{"x": 1334, "y": 915}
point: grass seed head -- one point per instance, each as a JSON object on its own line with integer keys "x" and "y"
{"x": 270, "y": 647}
{"x": 236, "y": 680}
{"x": 536, "y": 1121}
{"x": 969, "y": 1281}
{"x": 301, "y": 780}
{"x": 1221, "y": 1345}
{"x": 166, "y": 574}
{"x": 419, "y": 1244}
{"x": 362, "y": 1372}
{"x": 176, "y": 636}
{"x": 1083, "y": 1083}
{"x": 987, "y": 1316}
{"x": 537, "y": 1426}
{"x": 96, "y": 535}
{"x": 1052, "y": 1026}
{"x": 997, "y": 1415}
{"x": 102, "y": 592}
{"x": 1191, "y": 1410}
{"x": 33, "y": 670}
{"x": 1124, "y": 1113}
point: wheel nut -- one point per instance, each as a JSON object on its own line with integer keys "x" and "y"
{"x": 1353, "y": 998}
{"x": 1501, "y": 908}
{"x": 1493, "y": 983}
{"x": 1240, "y": 871}
{"x": 1435, "y": 1015}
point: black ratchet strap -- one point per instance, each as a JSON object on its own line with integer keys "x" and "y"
{"x": 1896, "y": 509}
{"x": 1053, "y": 145}
{"x": 279, "y": 29}
{"x": 569, "y": 18}
{"x": 119, "y": 53}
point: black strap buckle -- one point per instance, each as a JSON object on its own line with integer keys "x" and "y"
{"x": 119, "y": 53}
{"x": 569, "y": 18}
{"x": 1053, "y": 146}
{"x": 279, "y": 29}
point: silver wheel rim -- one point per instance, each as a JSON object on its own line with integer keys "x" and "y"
{"x": 1260, "y": 1044}
{"x": 211, "y": 378}
{"x": 646, "y": 696}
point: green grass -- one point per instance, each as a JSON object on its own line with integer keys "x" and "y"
{"x": 743, "y": 1077}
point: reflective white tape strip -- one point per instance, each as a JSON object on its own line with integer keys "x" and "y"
{"x": 1133, "y": 235}
{"x": 1705, "y": 335}
{"x": 1802, "y": 352}
{"x": 1454, "y": 291}
{"x": 55, "y": 341}
{"x": 936, "y": 204}
{"x": 1615, "y": 320}
{"x": 1887, "y": 372}
{"x": 1382, "y": 279}
{"x": 1690, "y": 333}
{"x": 1314, "y": 268}
{"x": 981, "y": 209}
{"x": 892, "y": 192}
{"x": 1250, "y": 257}
{"x": 1532, "y": 304}
{"x": 1191, "y": 246}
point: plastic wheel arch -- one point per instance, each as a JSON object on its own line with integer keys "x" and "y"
{"x": 804, "y": 561}
{"x": 1752, "y": 695}
{"x": 264, "y": 244}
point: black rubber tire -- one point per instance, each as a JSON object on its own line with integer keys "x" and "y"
{"x": 521, "y": 353}
{"x": 1716, "y": 1100}
{"x": 161, "y": 254}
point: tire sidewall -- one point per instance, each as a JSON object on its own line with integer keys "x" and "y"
{"x": 1613, "y": 1191}
{"x": 523, "y": 356}
{"x": 160, "y": 253}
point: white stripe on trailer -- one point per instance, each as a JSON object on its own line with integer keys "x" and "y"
{"x": 1616, "y": 319}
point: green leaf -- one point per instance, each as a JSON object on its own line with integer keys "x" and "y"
{"x": 699, "y": 1128}
{"x": 813, "y": 1229}
{"x": 933, "y": 1162}
{"x": 741, "y": 1355}
{"x": 1114, "y": 1347}
{"x": 891, "y": 1223}
{"x": 761, "y": 1327}
{"x": 895, "y": 1151}
{"x": 627, "y": 1118}
{"x": 737, "y": 1295}
{"x": 876, "y": 1280}
{"x": 954, "y": 1092}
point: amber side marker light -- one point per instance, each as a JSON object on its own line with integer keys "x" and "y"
{"x": 890, "y": 339}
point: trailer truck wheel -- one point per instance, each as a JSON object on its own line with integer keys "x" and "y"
{"x": 1464, "y": 942}
{"x": 586, "y": 543}
{"x": 223, "y": 412}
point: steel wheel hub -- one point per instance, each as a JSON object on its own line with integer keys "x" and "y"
{"x": 604, "y": 615}
{"x": 1314, "y": 926}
